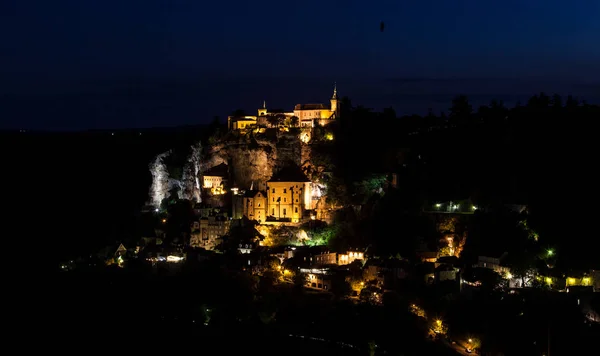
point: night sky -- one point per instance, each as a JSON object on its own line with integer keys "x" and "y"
{"x": 73, "y": 64}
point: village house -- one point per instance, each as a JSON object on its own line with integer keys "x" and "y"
{"x": 333, "y": 258}
{"x": 208, "y": 231}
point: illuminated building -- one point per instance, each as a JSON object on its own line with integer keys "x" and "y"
{"x": 254, "y": 205}
{"x": 207, "y": 231}
{"x": 332, "y": 258}
{"x": 288, "y": 194}
{"x": 307, "y": 114}
{"x": 214, "y": 179}
{"x": 318, "y": 281}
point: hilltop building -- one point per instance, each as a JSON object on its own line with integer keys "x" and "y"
{"x": 308, "y": 115}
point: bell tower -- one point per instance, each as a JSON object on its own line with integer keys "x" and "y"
{"x": 334, "y": 101}
{"x": 263, "y": 111}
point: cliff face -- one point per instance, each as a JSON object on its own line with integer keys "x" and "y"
{"x": 252, "y": 158}
{"x": 159, "y": 189}
{"x": 190, "y": 176}
{"x": 167, "y": 175}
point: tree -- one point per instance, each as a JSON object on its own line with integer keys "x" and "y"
{"x": 267, "y": 281}
{"x": 275, "y": 120}
{"x": 294, "y": 121}
{"x": 461, "y": 110}
{"x": 340, "y": 287}
{"x": 299, "y": 279}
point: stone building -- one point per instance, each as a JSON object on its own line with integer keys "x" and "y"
{"x": 288, "y": 195}
{"x": 309, "y": 115}
{"x": 215, "y": 179}
{"x": 208, "y": 231}
{"x": 254, "y": 205}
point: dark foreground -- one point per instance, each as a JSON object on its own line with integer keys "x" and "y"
{"x": 122, "y": 312}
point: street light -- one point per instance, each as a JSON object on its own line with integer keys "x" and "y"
{"x": 550, "y": 252}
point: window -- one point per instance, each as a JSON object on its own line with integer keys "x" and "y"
{"x": 296, "y": 209}
{"x": 273, "y": 213}
{"x": 296, "y": 200}
{"x": 284, "y": 211}
{"x": 259, "y": 205}
{"x": 273, "y": 190}
{"x": 273, "y": 199}
{"x": 285, "y": 200}
{"x": 284, "y": 191}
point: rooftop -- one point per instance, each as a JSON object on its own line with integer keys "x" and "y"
{"x": 310, "y": 107}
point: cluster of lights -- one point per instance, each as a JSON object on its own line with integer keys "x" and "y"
{"x": 455, "y": 206}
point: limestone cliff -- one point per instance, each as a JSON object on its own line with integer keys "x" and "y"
{"x": 253, "y": 157}
{"x": 172, "y": 173}
{"x": 159, "y": 189}
{"x": 191, "y": 171}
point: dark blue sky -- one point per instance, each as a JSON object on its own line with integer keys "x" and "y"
{"x": 72, "y": 64}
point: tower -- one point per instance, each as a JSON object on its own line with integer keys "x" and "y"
{"x": 334, "y": 100}
{"x": 263, "y": 111}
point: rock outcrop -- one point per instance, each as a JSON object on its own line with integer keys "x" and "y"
{"x": 187, "y": 184}
{"x": 252, "y": 159}
{"x": 159, "y": 189}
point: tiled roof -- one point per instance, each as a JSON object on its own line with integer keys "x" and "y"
{"x": 310, "y": 107}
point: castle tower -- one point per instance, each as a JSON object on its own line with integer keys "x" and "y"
{"x": 334, "y": 100}
{"x": 263, "y": 111}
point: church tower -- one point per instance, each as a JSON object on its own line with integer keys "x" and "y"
{"x": 334, "y": 101}
{"x": 263, "y": 111}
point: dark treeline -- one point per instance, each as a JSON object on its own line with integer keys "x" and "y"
{"x": 539, "y": 153}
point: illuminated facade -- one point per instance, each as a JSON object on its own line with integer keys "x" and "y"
{"x": 341, "y": 259}
{"x": 254, "y": 205}
{"x": 215, "y": 178}
{"x": 308, "y": 115}
{"x": 207, "y": 232}
{"x": 287, "y": 198}
{"x": 288, "y": 194}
